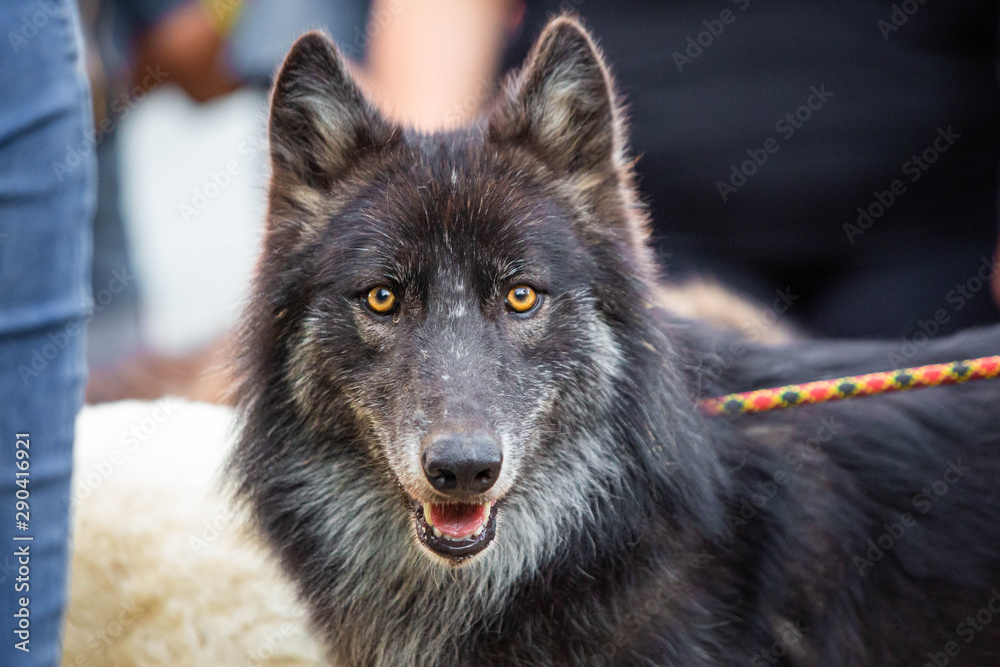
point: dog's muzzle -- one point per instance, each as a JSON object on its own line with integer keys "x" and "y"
{"x": 461, "y": 464}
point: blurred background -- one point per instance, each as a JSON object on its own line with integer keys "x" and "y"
{"x": 834, "y": 161}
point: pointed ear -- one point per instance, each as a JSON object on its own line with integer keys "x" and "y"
{"x": 320, "y": 120}
{"x": 563, "y": 107}
{"x": 563, "y": 103}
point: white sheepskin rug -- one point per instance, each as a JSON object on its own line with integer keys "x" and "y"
{"x": 164, "y": 571}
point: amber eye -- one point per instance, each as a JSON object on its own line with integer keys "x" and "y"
{"x": 522, "y": 298}
{"x": 380, "y": 300}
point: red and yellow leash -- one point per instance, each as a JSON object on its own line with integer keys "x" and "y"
{"x": 824, "y": 391}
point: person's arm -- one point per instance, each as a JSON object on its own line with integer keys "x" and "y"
{"x": 186, "y": 45}
{"x": 432, "y": 63}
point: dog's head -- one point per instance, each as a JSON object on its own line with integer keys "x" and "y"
{"x": 453, "y": 315}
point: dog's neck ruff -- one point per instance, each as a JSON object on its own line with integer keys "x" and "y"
{"x": 856, "y": 386}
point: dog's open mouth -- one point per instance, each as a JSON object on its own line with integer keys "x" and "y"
{"x": 455, "y": 530}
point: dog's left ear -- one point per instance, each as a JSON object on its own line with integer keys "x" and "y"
{"x": 562, "y": 104}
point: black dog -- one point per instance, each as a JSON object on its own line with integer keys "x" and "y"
{"x": 471, "y": 436}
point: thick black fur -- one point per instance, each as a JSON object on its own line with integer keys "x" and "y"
{"x": 632, "y": 529}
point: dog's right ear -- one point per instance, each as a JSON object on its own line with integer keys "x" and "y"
{"x": 320, "y": 120}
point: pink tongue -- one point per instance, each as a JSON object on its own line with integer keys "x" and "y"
{"x": 457, "y": 520}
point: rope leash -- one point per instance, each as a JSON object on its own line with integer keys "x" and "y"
{"x": 855, "y": 386}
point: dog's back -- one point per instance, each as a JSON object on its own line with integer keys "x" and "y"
{"x": 870, "y": 524}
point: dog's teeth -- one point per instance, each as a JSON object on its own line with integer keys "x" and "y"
{"x": 427, "y": 514}
{"x": 486, "y": 519}
{"x": 438, "y": 533}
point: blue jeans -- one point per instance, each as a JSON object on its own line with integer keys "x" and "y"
{"x": 47, "y": 190}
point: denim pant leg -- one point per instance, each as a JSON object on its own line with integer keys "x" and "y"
{"x": 46, "y": 204}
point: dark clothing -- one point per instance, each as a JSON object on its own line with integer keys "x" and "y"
{"x": 764, "y": 127}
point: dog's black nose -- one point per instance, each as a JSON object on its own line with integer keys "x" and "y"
{"x": 463, "y": 464}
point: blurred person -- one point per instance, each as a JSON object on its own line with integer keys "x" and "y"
{"x": 137, "y": 46}
{"x": 46, "y": 206}
{"x": 842, "y": 155}
{"x": 264, "y": 31}
{"x": 431, "y": 63}
{"x": 208, "y": 48}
